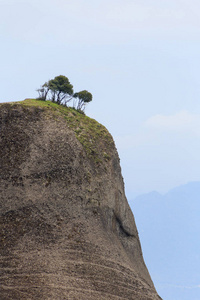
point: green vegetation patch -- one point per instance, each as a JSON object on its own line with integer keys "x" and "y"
{"x": 95, "y": 138}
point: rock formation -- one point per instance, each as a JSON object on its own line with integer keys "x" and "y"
{"x": 66, "y": 229}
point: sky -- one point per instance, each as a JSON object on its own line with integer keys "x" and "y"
{"x": 141, "y": 61}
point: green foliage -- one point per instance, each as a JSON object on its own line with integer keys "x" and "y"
{"x": 61, "y": 89}
{"x": 95, "y": 139}
{"x": 83, "y": 98}
{"x": 61, "y": 92}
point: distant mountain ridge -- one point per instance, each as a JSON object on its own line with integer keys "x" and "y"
{"x": 169, "y": 229}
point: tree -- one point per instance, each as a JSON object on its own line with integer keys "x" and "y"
{"x": 60, "y": 88}
{"x": 83, "y": 98}
{"x": 61, "y": 91}
{"x": 43, "y": 91}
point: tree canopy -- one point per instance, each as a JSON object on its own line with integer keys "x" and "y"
{"x": 83, "y": 98}
{"x": 60, "y": 90}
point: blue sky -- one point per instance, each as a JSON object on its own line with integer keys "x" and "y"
{"x": 139, "y": 59}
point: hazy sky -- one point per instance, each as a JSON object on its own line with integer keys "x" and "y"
{"x": 141, "y": 61}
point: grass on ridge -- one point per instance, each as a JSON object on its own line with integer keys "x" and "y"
{"x": 94, "y": 137}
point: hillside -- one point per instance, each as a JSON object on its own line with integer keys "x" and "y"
{"x": 66, "y": 229}
{"x": 169, "y": 229}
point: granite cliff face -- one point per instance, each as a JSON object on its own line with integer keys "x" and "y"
{"x": 66, "y": 229}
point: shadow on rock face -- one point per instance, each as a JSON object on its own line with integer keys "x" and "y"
{"x": 66, "y": 229}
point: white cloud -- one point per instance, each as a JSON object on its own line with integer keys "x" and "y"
{"x": 182, "y": 121}
{"x": 166, "y": 129}
{"x": 128, "y": 19}
{"x": 100, "y": 20}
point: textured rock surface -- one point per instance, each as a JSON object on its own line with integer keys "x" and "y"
{"x": 66, "y": 229}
